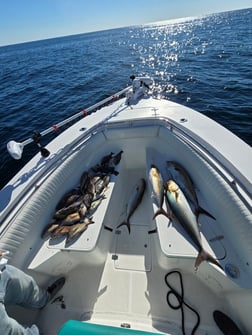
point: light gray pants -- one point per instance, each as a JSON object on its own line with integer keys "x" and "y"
{"x": 17, "y": 288}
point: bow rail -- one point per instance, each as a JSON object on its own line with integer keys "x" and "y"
{"x": 15, "y": 149}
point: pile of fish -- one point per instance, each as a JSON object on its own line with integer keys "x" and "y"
{"x": 182, "y": 202}
{"x": 74, "y": 212}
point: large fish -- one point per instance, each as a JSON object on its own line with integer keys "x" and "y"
{"x": 182, "y": 178}
{"x": 158, "y": 189}
{"x": 182, "y": 211}
{"x": 134, "y": 201}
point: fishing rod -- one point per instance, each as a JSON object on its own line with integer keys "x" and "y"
{"x": 15, "y": 149}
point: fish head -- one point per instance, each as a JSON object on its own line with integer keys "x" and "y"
{"x": 172, "y": 188}
{"x": 154, "y": 172}
{"x": 88, "y": 220}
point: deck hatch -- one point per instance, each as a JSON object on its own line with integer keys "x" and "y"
{"x": 133, "y": 250}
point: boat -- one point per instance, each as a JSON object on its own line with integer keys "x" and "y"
{"x": 132, "y": 265}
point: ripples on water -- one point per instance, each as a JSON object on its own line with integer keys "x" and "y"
{"x": 204, "y": 63}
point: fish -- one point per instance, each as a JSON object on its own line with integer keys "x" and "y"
{"x": 63, "y": 212}
{"x": 101, "y": 184}
{"x": 50, "y": 228}
{"x": 75, "y": 217}
{"x": 87, "y": 200}
{"x": 117, "y": 158}
{"x": 182, "y": 178}
{"x": 84, "y": 181}
{"x": 69, "y": 198}
{"x": 106, "y": 159}
{"x": 60, "y": 231}
{"x": 78, "y": 229}
{"x": 183, "y": 213}
{"x": 134, "y": 201}
{"x": 104, "y": 169}
{"x": 112, "y": 159}
{"x": 71, "y": 231}
{"x": 71, "y": 219}
{"x": 158, "y": 190}
{"x": 94, "y": 205}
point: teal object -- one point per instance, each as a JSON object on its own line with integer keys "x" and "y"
{"x": 73, "y": 327}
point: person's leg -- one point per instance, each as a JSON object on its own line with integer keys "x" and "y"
{"x": 22, "y": 289}
{"x": 9, "y": 326}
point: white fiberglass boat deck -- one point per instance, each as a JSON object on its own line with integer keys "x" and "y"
{"x": 126, "y": 280}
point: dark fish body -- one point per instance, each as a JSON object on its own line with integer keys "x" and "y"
{"x": 84, "y": 182}
{"x": 71, "y": 219}
{"x": 134, "y": 201}
{"x": 106, "y": 159}
{"x": 188, "y": 220}
{"x": 111, "y": 160}
{"x": 87, "y": 200}
{"x": 63, "y": 212}
{"x": 158, "y": 189}
{"x": 182, "y": 178}
{"x": 69, "y": 198}
{"x": 104, "y": 169}
{"x": 117, "y": 158}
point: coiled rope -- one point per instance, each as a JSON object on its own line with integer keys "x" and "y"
{"x": 181, "y": 303}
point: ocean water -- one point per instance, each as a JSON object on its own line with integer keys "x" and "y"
{"x": 204, "y": 63}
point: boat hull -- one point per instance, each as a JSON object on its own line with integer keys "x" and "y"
{"x": 117, "y": 278}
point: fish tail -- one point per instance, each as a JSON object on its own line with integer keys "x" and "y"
{"x": 69, "y": 237}
{"x": 159, "y": 212}
{"x": 201, "y": 210}
{"x": 124, "y": 223}
{"x": 205, "y": 256}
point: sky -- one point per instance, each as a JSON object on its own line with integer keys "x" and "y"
{"x": 30, "y": 20}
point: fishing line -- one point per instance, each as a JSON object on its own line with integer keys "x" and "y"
{"x": 181, "y": 302}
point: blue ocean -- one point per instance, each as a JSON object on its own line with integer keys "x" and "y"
{"x": 204, "y": 63}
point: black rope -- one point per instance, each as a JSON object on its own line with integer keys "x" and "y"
{"x": 181, "y": 302}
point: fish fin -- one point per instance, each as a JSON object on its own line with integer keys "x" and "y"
{"x": 159, "y": 212}
{"x": 73, "y": 234}
{"x": 201, "y": 210}
{"x": 124, "y": 223}
{"x": 205, "y": 256}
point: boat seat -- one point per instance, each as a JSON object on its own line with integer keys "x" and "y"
{"x": 74, "y": 327}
